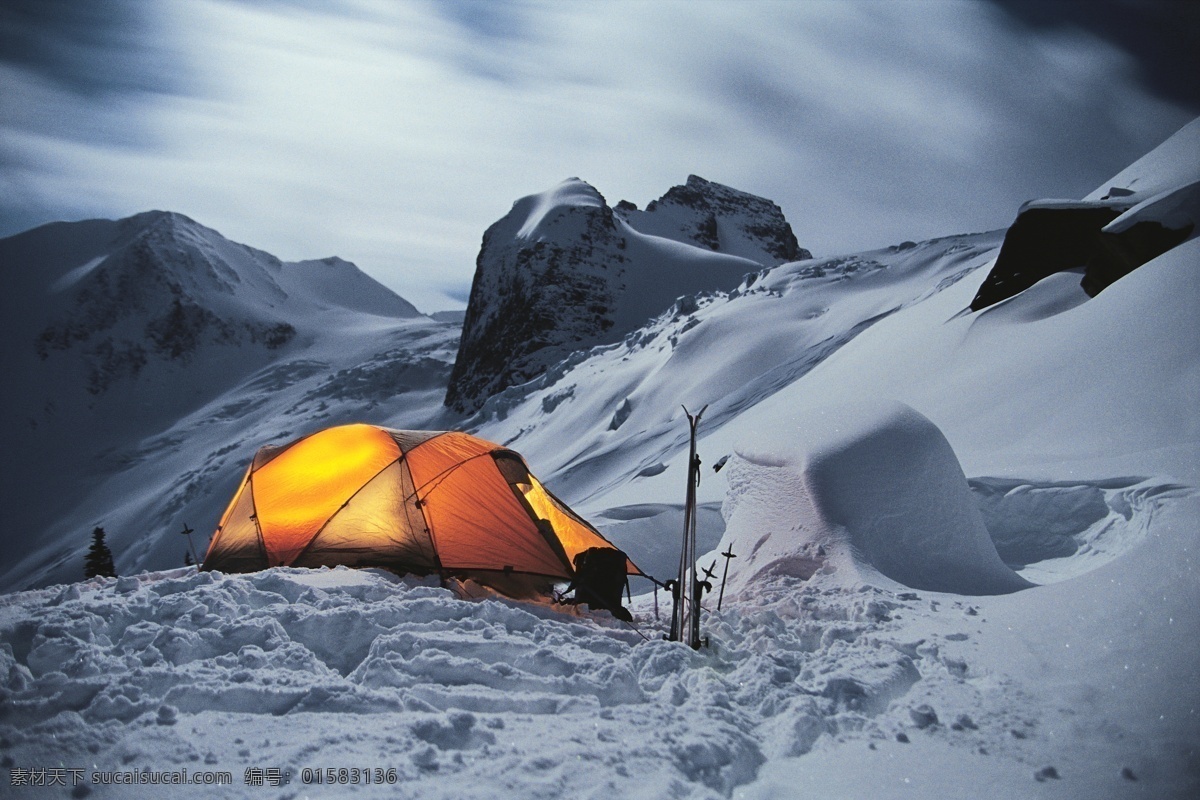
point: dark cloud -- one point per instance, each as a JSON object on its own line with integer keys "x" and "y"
{"x": 117, "y": 46}
{"x": 486, "y": 19}
{"x": 494, "y": 30}
{"x": 460, "y": 292}
{"x": 363, "y": 129}
{"x": 75, "y": 72}
{"x": 935, "y": 125}
{"x": 1163, "y": 36}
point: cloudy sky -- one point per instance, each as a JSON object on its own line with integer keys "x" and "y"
{"x": 393, "y": 133}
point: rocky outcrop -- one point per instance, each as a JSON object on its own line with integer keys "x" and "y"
{"x": 564, "y": 271}
{"x": 719, "y": 218}
{"x": 1055, "y": 236}
{"x": 536, "y": 298}
{"x": 1148, "y": 208}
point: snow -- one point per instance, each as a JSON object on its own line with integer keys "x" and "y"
{"x": 1174, "y": 208}
{"x": 532, "y": 213}
{"x": 864, "y": 488}
{"x": 1175, "y": 162}
{"x": 156, "y": 358}
{"x": 75, "y": 275}
{"x": 1044, "y": 452}
{"x": 332, "y": 281}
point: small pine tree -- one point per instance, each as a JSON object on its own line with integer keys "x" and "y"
{"x": 99, "y": 560}
{"x": 187, "y": 559}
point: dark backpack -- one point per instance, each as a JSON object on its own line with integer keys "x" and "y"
{"x": 600, "y": 578}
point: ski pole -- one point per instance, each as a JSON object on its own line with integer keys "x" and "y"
{"x": 728, "y": 556}
{"x": 188, "y": 533}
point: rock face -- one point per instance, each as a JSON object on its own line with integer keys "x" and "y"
{"x": 719, "y": 218}
{"x": 563, "y": 271}
{"x": 1054, "y": 236}
{"x": 1148, "y": 208}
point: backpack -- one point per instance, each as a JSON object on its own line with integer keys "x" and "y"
{"x": 600, "y": 578}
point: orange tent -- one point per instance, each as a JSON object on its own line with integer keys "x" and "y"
{"x": 415, "y": 501}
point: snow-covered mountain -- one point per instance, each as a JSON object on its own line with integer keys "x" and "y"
{"x": 718, "y": 218}
{"x": 146, "y": 358}
{"x": 966, "y": 545}
{"x": 562, "y": 271}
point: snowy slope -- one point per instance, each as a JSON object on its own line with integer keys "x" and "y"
{"x": 148, "y": 358}
{"x": 1054, "y": 436}
{"x": 599, "y": 420}
{"x": 1176, "y": 162}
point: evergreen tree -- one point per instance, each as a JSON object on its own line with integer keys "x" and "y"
{"x": 99, "y": 558}
{"x": 187, "y": 559}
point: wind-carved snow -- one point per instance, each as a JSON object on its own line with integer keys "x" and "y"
{"x": 1052, "y": 531}
{"x": 876, "y": 488}
{"x": 1173, "y": 163}
{"x": 76, "y": 275}
{"x": 701, "y": 351}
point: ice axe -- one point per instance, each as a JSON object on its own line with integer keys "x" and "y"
{"x": 709, "y": 574}
{"x": 728, "y": 556}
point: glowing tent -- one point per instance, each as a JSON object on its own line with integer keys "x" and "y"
{"x": 414, "y": 501}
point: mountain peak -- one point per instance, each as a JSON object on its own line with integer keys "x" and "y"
{"x": 156, "y": 216}
{"x": 562, "y": 271}
{"x": 720, "y": 218}
{"x": 537, "y": 215}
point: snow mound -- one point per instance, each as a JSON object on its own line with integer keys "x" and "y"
{"x": 860, "y": 491}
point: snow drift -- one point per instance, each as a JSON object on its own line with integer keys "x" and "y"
{"x": 863, "y": 488}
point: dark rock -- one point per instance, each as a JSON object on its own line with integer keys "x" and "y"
{"x": 518, "y": 299}
{"x": 1050, "y": 238}
{"x": 621, "y": 414}
{"x": 1046, "y": 773}
{"x": 1122, "y": 253}
{"x": 1041, "y": 242}
{"x": 708, "y": 210}
{"x": 923, "y": 715}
